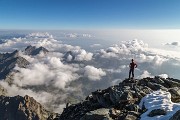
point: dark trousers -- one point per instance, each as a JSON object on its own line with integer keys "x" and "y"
{"x": 131, "y": 71}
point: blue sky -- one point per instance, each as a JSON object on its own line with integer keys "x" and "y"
{"x": 89, "y": 14}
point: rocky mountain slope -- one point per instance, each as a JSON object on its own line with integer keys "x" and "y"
{"x": 23, "y": 108}
{"x": 18, "y": 107}
{"x": 121, "y": 102}
{"x": 8, "y": 62}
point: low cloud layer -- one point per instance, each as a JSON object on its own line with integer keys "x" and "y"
{"x": 76, "y": 35}
{"x": 47, "y": 71}
{"x": 95, "y": 45}
{"x": 93, "y": 73}
{"x": 53, "y": 78}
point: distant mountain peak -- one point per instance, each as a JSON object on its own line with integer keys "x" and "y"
{"x": 32, "y": 50}
{"x": 8, "y": 61}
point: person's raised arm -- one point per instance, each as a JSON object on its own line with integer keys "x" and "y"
{"x": 135, "y": 65}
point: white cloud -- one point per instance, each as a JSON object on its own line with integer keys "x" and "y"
{"x": 112, "y": 49}
{"x": 83, "y": 55}
{"x": 76, "y": 35}
{"x": 158, "y": 60}
{"x": 154, "y": 61}
{"x": 49, "y": 100}
{"x": 106, "y": 54}
{"x": 39, "y": 35}
{"x": 116, "y": 81}
{"x": 145, "y": 74}
{"x": 61, "y": 78}
{"x": 48, "y": 71}
{"x": 95, "y": 45}
{"x": 71, "y": 35}
{"x": 80, "y": 55}
{"x": 46, "y": 40}
{"x": 163, "y": 76}
{"x": 93, "y": 73}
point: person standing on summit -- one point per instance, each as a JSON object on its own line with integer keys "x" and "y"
{"x": 132, "y": 65}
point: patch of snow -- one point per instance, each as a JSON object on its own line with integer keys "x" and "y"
{"x": 159, "y": 100}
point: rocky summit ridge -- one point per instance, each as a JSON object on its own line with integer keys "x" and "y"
{"x": 23, "y": 108}
{"x": 121, "y": 102}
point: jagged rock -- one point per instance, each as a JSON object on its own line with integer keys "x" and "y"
{"x": 102, "y": 97}
{"x": 99, "y": 114}
{"x": 176, "y": 116}
{"x": 126, "y": 96}
{"x": 156, "y": 112}
{"x": 122, "y": 100}
{"x": 132, "y": 107}
{"x": 8, "y": 61}
{"x": 158, "y": 80}
{"x": 23, "y": 108}
{"x": 155, "y": 86}
{"x": 175, "y": 94}
{"x": 1, "y": 42}
{"x": 172, "y": 83}
{"x": 32, "y": 50}
{"x": 114, "y": 113}
{"x": 132, "y": 115}
{"x": 75, "y": 112}
{"x": 146, "y": 89}
{"x": 3, "y": 91}
{"x": 115, "y": 94}
{"x": 69, "y": 56}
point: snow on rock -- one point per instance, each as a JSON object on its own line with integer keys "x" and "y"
{"x": 159, "y": 100}
{"x": 163, "y": 76}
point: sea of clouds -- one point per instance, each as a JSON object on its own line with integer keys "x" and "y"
{"x": 68, "y": 73}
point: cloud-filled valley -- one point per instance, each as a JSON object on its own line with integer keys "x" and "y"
{"x": 54, "y": 77}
